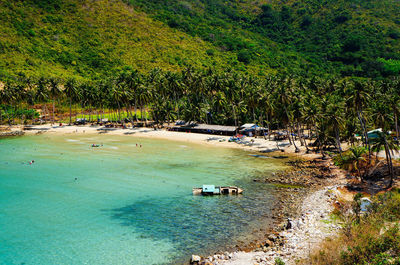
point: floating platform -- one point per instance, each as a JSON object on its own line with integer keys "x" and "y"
{"x": 213, "y": 190}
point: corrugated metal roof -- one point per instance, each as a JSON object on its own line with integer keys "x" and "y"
{"x": 214, "y": 127}
{"x": 249, "y": 125}
{"x": 209, "y": 127}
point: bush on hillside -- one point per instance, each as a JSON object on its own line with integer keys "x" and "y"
{"x": 374, "y": 240}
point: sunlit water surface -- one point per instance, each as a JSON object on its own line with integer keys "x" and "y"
{"x": 128, "y": 204}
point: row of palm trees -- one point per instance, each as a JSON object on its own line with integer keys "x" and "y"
{"x": 345, "y": 107}
{"x": 332, "y": 110}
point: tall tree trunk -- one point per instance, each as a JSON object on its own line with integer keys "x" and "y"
{"x": 389, "y": 163}
{"x": 234, "y": 115}
{"x": 141, "y": 113}
{"x": 294, "y": 142}
{"x": 360, "y": 118}
{"x": 128, "y": 114}
{"x": 137, "y": 120}
{"x": 119, "y": 112}
{"x": 145, "y": 118}
{"x": 269, "y": 128}
{"x": 396, "y": 124}
{"x": 70, "y": 111}
{"x": 54, "y": 105}
{"x": 320, "y": 145}
{"x": 339, "y": 147}
{"x": 288, "y": 133}
{"x": 299, "y": 134}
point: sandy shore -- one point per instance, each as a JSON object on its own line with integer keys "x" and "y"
{"x": 251, "y": 144}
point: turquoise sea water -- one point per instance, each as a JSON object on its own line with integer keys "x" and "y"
{"x": 129, "y": 205}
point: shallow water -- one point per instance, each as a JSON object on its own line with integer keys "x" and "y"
{"x": 129, "y": 204}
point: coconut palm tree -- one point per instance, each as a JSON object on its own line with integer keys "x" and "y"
{"x": 334, "y": 117}
{"x": 42, "y": 95}
{"x": 54, "y": 91}
{"x": 358, "y": 92}
{"x": 9, "y": 97}
{"x": 385, "y": 141}
{"x": 354, "y": 159}
{"x": 394, "y": 102}
{"x": 72, "y": 93}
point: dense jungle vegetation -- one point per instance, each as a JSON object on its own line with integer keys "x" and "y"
{"x": 91, "y": 39}
{"x": 339, "y": 37}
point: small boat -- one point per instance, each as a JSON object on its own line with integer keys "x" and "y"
{"x": 213, "y": 190}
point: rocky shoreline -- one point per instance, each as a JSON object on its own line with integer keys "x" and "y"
{"x": 11, "y": 133}
{"x": 309, "y": 190}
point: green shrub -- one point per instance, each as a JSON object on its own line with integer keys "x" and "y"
{"x": 278, "y": 261}
{"x": 244, "y": 56}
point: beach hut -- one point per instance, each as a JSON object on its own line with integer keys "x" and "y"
{"x": 249, "y": 129}
{"x": 80, "y": 121}
{"x": 374, "y": 133}
{"x": 248, "y": 126}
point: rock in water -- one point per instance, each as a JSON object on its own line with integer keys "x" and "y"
{"x": 195, "y": 259}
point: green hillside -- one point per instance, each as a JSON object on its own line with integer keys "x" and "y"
{"x": 91, "y": 39}
{"x": 349, "y": 38}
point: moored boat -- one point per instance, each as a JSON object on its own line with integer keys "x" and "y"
{"x": 216, "y": 190}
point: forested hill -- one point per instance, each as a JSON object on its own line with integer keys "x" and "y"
{"x": 346, "y": 37}
{"x": 86, "y": 38}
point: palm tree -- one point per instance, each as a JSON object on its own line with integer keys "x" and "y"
{"x": 116, "y": 97}
{"x": 394, "y": 102}
{"x": 9, "y": 96}
{"x": 54, "y": 93}
{"x": 334, "y": 117}
{"x": 72, "y": 94}
{"x": 42, "y": 94}
{"x": 354, "y": 159}
{"x": 359, "y": 96}
{"x": 382, "y": 141}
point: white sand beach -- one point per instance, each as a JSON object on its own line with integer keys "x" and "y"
{"x": 248, "y": 143}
